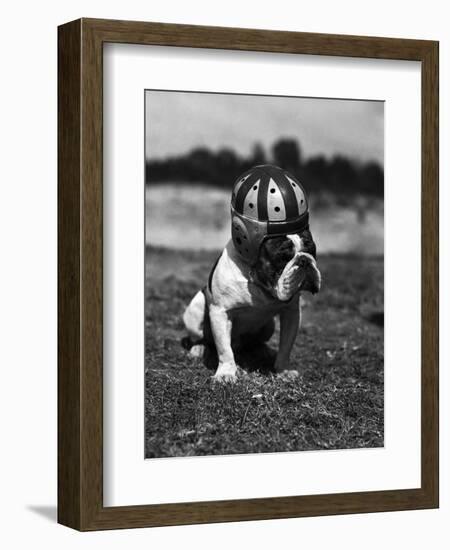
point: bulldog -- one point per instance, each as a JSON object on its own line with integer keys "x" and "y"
{"x": 239, "y": 304}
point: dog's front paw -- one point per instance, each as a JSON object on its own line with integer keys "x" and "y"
{"x": 226, "y": 373}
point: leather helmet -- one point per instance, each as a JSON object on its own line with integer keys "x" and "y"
{"x": 267, "y": 201}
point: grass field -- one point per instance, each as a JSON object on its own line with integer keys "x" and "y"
{"x": 335, "y": 403}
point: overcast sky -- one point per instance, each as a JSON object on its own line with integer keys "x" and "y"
{"x": 176, "y": 122}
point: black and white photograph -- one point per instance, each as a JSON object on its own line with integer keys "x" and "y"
{"x": 264, "y": 274}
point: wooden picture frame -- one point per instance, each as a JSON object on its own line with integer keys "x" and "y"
{"x": 80, "y": 272}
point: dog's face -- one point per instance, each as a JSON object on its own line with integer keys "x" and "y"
{"x": 280, "y": 274}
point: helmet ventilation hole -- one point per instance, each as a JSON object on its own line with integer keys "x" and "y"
{"x": 238, "y": 240}
{"x": 277, "y": 208}
{"x": 272, "y": 190}
{"x": 251, "y": 205}
{"x": 301, "y": 202}
{"x": 255, "y": 188}
{"x": 293, "y": 184}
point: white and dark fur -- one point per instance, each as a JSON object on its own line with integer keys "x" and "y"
{"x": 241, "y": 303}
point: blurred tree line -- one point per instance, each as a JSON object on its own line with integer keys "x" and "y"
{"x": 338, "y": 176}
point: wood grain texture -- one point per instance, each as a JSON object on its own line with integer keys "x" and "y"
{"x": 80, "y": 264}
{"x": 69, "y": 245}
{"x": 430, "y": 273}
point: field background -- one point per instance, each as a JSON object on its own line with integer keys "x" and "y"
{"x": 197, "y": 217}
{"x": 335, "y": 403}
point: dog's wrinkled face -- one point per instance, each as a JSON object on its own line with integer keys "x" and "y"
{"x": 283, "y": 276}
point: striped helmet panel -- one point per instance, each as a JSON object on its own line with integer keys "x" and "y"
{"x": 299, "y": 195}
{"x": 250, "y": 208}
{"x": 239, "y": 195}
{"x": 239, "y": 183}
{"x": 276, "y": 209}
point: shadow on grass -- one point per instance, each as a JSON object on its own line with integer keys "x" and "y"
{"x": 258, "y": 358}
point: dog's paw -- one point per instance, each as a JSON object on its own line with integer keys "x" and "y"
{"x": 197, "y": 351}
{"x": 224, "y": 378}
{"x": 226, "y": 373}
{"x": 288, "y": 374}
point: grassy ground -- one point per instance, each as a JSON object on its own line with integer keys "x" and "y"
{"x": 335, "y": 403}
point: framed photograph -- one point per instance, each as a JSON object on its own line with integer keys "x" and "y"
{"x": 248, "y": 274}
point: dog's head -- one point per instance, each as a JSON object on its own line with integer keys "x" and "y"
{"x": 287, "y": 265}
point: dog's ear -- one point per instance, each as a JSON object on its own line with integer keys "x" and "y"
{"x": 313, "y": 279}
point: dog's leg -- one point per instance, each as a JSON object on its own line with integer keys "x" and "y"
{"x": 193, "y": 318}
{"x": 289, "y": 323}
{"x": 221, "y": 326}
